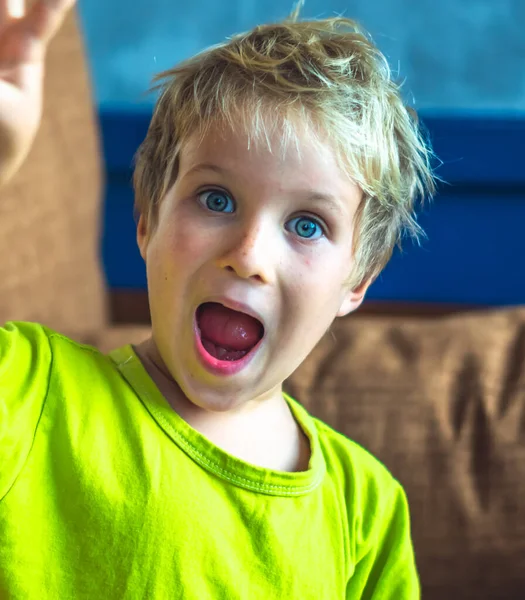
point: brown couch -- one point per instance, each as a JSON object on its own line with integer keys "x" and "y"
{"x": 439, "y": 399}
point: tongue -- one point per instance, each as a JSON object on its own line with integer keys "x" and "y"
{"x": 228, "y": 328}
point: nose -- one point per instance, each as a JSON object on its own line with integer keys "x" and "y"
{"x": 249, "y": 252}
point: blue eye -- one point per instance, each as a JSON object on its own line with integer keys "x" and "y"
{"x": 215, "y": 200}
{"x": 307, "y": 227}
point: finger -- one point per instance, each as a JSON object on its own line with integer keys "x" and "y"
{"x": 11, "y": 9}
{"x": 15, "y": 8}
{"x": 45, "y": 18}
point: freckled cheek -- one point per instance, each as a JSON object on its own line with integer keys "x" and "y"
{"x": 315, "y": 271}
{"x": 183, "y": 240}
{"x": 178, "y": 256}
{"x": 301, "y": 275}
{"x": 187, "y": 246}
{"x": 313, "y": 265}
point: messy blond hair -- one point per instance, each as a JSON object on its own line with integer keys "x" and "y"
{"x": 324, "y": 74}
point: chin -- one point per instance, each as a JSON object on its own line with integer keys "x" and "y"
{"x": 216, "y": 403}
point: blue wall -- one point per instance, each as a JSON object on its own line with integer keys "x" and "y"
{"x": 455, "y": 54}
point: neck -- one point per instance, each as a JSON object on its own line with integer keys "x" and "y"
{"x": 267, "y": 435}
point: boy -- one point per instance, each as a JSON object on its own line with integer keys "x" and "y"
{"x": 179, "y": 468}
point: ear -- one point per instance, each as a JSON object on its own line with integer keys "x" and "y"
{"x": 142, "y": 236}
{"x": 353, "y": 299}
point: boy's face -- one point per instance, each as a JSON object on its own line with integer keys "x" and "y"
{"x": 249, "y": 224}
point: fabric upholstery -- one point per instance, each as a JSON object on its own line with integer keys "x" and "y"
{"x": 441, "y": 402}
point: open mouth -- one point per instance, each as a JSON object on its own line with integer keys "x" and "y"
{"x": 226, "y": 334}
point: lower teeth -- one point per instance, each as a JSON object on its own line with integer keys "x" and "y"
{"x": 223, "y": 353}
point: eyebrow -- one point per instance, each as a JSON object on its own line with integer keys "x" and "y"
{"x": 206, "y": 167}
{"x": 310, "y": 195}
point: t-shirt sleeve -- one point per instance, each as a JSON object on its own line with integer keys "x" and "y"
{"x": 385, "y": 564}
{"x": 25, "y": 362}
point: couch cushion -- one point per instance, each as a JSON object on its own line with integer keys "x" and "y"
{"x": 441, "y": 402}
{"x": 114, "y": 336}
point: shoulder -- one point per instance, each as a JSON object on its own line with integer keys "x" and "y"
{"x": 30, "y": 352}
{"x": 349, "y": 460}
{"x": 377, "y": 519}
{"x": 25, "y": 355}
{"x": 25, "y": 365}
{"x": 32, "y": 356}
{"x": 36, "y": 361}
{"x": 17, "y": 335}
{"x": 18, "y": 339}
{"x": 369, "y": 507}
{"x": 373, "y": 498}
{"x": 352, "y": 469}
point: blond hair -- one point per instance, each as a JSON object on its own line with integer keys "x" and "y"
{"x": 325, "y": 74}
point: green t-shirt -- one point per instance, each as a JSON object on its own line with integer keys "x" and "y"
{"x": 105, "y": 492}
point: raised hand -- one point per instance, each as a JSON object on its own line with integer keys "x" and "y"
{"x": 24, "y": 37}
